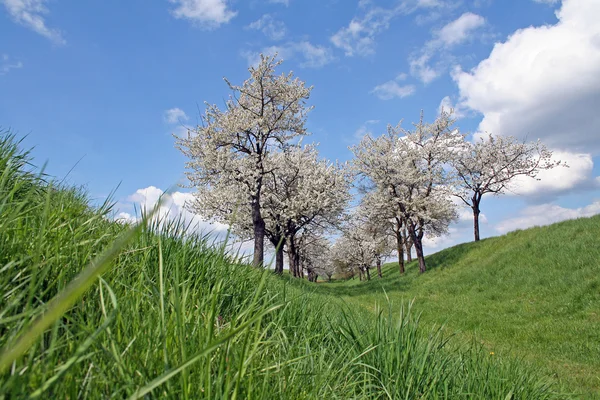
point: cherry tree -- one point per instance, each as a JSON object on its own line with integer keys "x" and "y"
{"x": 340, "y": 256}
{"x": 379, "y": 222}
{"x": 306, "y": 195}
{"x": 410, "y": 171}
{"x": 363, "y": 243}
{"x": 301, "y": 194}
{"x": 491, "y": 163}
{"x": 383, "y": 214}
{"x": 315, "y": 256}
{"x": 227, "y": 151}
{"x": 354, "y": 253}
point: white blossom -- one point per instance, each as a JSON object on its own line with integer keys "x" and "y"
{"x": 227, "y": 151}
{"x": 410, "y": 170}
{"x": 491, "y": 163}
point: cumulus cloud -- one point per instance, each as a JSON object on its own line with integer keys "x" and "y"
{"x": 173, "y": 205}
{"x": 310, "y": 55}
{"x": 450, "y": 35}
{"x": 30, "y": 13}
{"x": 558, "y": 180}
{"x": 545, "y": 214}
{"x": 542, "y": 82}
{"x": 271, "y": 28}
{"x": 208, "y": 14}
{"x": 125, "y": 217}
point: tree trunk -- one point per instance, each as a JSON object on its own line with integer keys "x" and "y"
{"x": 279, "y": 259}
{"x": 291, "y": 262}
{"x": 379, "y": 268}
{"x": 277, "y": 242}
{"x": 259, "y": 234}
{"x": 418, "y": 247}
{"x": 299, "y": 267}
{"x": 368, "y": 274}
{"x": 294, "y": 258}
{"x": 476, "y": 212}
{"x": 408, "y": 244}
{"x": 400, "y": 252}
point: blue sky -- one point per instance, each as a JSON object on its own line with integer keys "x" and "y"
{"x": 102, "y": 85}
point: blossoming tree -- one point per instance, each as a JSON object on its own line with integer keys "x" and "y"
{"x": 227, "y": 151}
{"x": 490, "y": 164}
{"x": 410, "y": 171}
{"x": 301, "y": 194}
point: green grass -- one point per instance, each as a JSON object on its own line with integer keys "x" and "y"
{"x": 532, "y": 294}
{"x": 174, "y": 316}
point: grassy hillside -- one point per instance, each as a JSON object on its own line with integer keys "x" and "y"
{"x": 532, "y": 293}
{"x": 175, "y": 317}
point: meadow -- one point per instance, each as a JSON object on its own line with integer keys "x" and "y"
{"x": 92, "y": 308}
{"x": 532, "y": 294}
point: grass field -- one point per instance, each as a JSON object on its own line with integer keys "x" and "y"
{"x": 94, "y": 309}
{"x": 533, "y": 294}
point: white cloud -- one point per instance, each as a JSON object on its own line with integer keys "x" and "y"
{"x": 450, "y": 35}
{"x": 436, "y": 243}
{"x": 560, "y": 179}
{"x": 6, "y": 64}
{"x": 271, "y": 28}
{"x": 312, "y": 56}
{"x": 173, "y": 206}
{"x": 30, "y": 13}
{"x": 447, "y": 104}
{"x": 125, "y": 218}
{"x": 459, "y": 30}
{"x": 465, "y": 216}
{"x": 208, "y": 14}
{"x": 543, "y": 82}
{"x": 392, "y": 89}
{"x": 175, "y": 115}
{"x": 420, "y": 68}
{"x": 546, "y": 214}
{"x": 358, "y": 38}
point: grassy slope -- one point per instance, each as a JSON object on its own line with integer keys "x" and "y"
{"x": 171, "y": 300}
{"x": 533, "y": 293}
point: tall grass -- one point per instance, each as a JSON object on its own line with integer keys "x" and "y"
{"x": 533, "y": 294}
{"x": 174, "y": 317}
